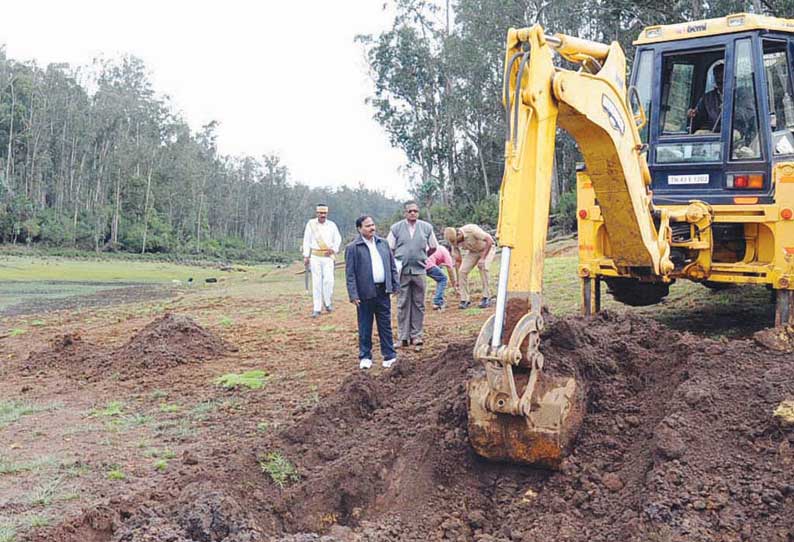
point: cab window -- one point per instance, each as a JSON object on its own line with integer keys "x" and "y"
{"x": 691, "y": 105}
{"x": 643, "y": 84}
{"x": 676, "y": 95}
{"x": 745, "y": 144}
{"x": 779, "y": 96}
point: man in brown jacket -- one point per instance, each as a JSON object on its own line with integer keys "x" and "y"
{"x": 471, "y": 246}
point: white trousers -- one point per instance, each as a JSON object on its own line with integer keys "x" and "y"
{"x": 322, "y": 281}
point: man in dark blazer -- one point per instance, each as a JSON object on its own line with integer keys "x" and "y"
{"x": 371, "y": 276}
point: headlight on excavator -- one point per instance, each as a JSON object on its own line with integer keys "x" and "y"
{"x": 745, "y": 181}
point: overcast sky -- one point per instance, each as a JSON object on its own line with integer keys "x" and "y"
{"x": 280, "y": 76}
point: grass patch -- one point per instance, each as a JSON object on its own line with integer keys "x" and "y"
{"x": 8, "y": 533}
{"x": 114, "y": 408}
{"x": 10, "y": 467}
{"x": 16, "y": 332}
{"x": 169, "y": 408}
{"x": 314, "y": 395}
{"x": 46, "y": 493}
{"x": 201, "y": 410}
{"x": 251, "y": 379}
{"x": 279, "y": 468}
{"x": 328, "y": 328}
{"x": 225, "y": 321}
{"x": 159, "y": 394}
{"x": 37, "y": 323}
{"x": 106, "y": 270}
{"x": 36, "y": 521}
{"x": 162, "y": 454}
{"x": 181, "y": 429}
{"x": 160, "y": 465}
{"x": 116, "y": 474}
{"x": 262, "y": 427}
{"x": 76, "y": 470}
{"x": 11, "y": 411}
{"x": 74, "y": 430}
{"x": 136, "y": 420}
{"x": 472, "y": 311}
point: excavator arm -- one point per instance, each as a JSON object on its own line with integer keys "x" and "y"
{"x": 534, "y": 418}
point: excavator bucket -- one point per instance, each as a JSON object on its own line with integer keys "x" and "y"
{"x": 542, "y": 438}
{"x": 519, "y": 412}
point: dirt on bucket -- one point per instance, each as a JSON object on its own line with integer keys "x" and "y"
{"x": 679, "y": 444}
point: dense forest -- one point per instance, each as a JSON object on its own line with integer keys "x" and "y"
{"x": 438, "y": 82}
{"x": 92, "y": 158}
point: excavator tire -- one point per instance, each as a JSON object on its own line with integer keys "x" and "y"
{"x": 635, "y": 293}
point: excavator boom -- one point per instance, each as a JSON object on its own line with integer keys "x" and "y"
{"x": 533, "y": 418}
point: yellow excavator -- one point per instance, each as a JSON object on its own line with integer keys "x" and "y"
{"x": 688, "y": 174}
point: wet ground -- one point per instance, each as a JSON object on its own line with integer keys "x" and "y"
{"x": 32, "y": 298}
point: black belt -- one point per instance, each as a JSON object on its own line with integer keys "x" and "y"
{"x": 381, "y": 285}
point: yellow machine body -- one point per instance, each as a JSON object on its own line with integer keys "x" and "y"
{"x": 521, "y": 410}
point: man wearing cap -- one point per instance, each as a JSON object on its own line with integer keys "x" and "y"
{"x": 321, "y": 242}
{"x": 472, "y": 246}
{"x": 409, "y": 239}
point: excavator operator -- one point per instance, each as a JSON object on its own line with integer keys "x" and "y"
{"x": 707, "y": 113}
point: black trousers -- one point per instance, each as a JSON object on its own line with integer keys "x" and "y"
{"x": 378, "y": 307}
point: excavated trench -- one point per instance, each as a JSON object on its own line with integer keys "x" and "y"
{"x": 679, "y": 444}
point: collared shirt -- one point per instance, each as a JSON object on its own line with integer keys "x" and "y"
{"x": 474, "y": 238}
{"x": 441, "y": 257}
{"x": 327, "y": 230}
{"x": 378, "y": 273}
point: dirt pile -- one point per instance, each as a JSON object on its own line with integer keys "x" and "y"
{"x": 679, "y": 444}
{"x": 166, "y": 342}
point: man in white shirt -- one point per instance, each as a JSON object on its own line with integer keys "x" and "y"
{"x": 321, "y": 242}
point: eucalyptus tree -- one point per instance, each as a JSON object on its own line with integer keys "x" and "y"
{"x": 410, "y": 98}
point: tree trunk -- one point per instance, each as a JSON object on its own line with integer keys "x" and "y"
{"x": 146, "y": 205}
{"x": 114, "y": 226}
{"x": 10, "y": 153}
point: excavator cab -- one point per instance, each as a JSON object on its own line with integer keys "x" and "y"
{"x": 718, "y": 107}
{"x": 688, "y": 174}
{"x": 728, "y": 145}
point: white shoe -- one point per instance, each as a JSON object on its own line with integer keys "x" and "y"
{"x": 389, "y": 362}
{"x": 365, "y": 363}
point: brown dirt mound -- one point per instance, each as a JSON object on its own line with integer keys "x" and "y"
{"x": 166, "y": 342}
{"x": 679, "y": 444}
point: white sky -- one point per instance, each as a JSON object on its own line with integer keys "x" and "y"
{"x": 280, "y": 76}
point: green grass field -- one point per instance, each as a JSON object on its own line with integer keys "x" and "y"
{"x": 26, "y": 278}
{"x": 689, "y": 305}
{"x": 28, "y": 269}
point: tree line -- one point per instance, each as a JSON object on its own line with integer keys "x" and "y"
{"x": 438, "y": 84}
{"x": 92, "y": 158}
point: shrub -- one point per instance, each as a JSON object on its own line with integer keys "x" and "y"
{"x": 279, "y": 468}
{"x": 564, "y": 214}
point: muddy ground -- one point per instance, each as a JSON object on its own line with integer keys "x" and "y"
{"x": 679, "y": 442}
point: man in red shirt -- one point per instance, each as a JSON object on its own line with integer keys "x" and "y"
{"x": 437, "y": 258}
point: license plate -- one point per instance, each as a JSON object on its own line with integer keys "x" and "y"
{"x": 688, "y": 179}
